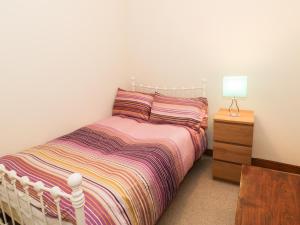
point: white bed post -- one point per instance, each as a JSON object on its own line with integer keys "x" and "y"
{"x": 204, "y": 83}
{"x": 133, "y": 83}
{"x": 2, "y": 180}
{"x": 77, "y": 197}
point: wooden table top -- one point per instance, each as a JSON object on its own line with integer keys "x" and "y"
{"x": 268, "y": 197}
{"x": 246, "y": 117}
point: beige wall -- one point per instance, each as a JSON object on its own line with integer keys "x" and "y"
{"x": 61, "y": 62}
{"x": 60, "y": 65}
{"x": 173, "y": 42}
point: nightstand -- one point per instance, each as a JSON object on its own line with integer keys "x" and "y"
{"x": 232, "y": 147}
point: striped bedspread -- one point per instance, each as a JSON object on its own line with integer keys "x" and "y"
{"x": 131, "y": 170}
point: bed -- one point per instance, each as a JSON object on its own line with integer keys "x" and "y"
{"x": 116, "y": 171}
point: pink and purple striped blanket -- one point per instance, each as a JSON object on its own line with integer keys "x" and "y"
{"x": 131, "y": 170}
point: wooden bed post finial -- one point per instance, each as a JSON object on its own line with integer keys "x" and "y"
{"x": 77, "y": 197}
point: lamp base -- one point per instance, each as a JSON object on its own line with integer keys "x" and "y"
{"x": 234, "y": 112}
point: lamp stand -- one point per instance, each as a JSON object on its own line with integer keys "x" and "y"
{"x": 234, "y": 112}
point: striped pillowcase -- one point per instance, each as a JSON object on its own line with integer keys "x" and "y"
{"x": 204, "y": 112}
{"x": 133, "y": 104}
{"x": 190, "y": 112}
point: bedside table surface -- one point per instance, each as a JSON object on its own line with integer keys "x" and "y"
{"x": 246, "y": 117}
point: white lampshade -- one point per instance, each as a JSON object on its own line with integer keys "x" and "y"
{"x": 235, "y": 86}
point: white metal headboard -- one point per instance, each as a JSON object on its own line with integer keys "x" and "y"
{"x": 194, "y": 91}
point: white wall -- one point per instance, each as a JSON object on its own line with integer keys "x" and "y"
{"x": 60, "y": 65}
{"x": 176, "y": 42}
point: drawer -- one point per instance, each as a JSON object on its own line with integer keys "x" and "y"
{"x": 233, "y": 133}
{"x": 227, "y": 171}
{"x": 232, "y": 153}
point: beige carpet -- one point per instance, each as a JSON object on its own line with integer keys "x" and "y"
{"x": 202, "y": 200}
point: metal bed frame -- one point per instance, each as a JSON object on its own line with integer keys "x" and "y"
{"x": 27, "y": 211}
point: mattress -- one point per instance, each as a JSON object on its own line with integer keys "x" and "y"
{"x": 131, "y": 169}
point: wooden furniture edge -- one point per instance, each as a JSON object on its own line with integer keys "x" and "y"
{"x": 258, "y": 185}
{"x": 222, "y": 116}
{"x": 269, "y": 164}
{"x": 234, "y": 122}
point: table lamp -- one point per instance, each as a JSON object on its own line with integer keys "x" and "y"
{"x": 234, "y": 87}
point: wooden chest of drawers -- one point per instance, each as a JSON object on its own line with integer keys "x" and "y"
{"x": 233, "y": 137}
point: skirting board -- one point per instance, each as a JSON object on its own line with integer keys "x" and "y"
{"x": 268, "y": 164}
{"x": 208, "y": 152}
